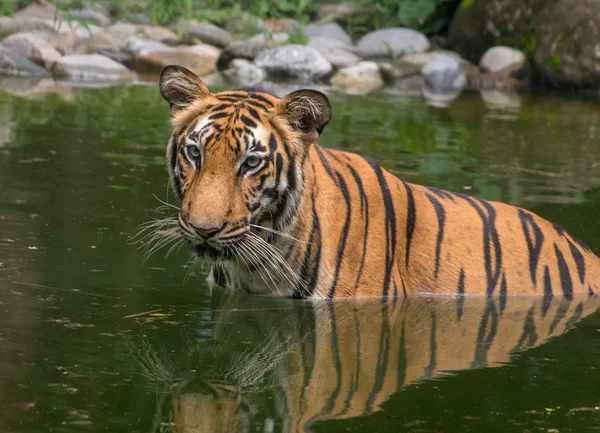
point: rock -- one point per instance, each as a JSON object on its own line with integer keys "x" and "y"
{"x": 294, "y": 61}
{"x": 70, "y": 43}
{"x": 91, "y": 15}
{"x": 479, "y": 25}
{"x": 192, "y": 32}
{"x": 39, "y": 10}
{"x": 121, "y": 31}
{"x": 329, "y": 31}
{"x": 282, "y": 25}
{"x": 339, "y": 57}
{"x": 391, "y": 42}
{"x": 244, "y": 72}
{"x": 34, "y": 48}
{"x": 444, "y": 73}
{"x": 421, "y": 59}
{"x": 398, "y": 70}
{"x": 245, "y": 24}
{"x": 134, "y": 45}
{"x": 160, "y": 34}
{"x": 359, "y": 79}
{"x": 503, "y": 60}
{"x": 15, "y": 65}
{"x": 86, "y": 67}
{"x": 249, "y": 49}
{"x": 492, "y": 81}
{"x": 10, "y": 25}
{"x": 568, "y": 43}
{"x": 125, "y": 58}
{"x": 138, "y": 18}
{"x": 340, "y": 10}
{"x": 501, "y": 99}
{"x": 199, "y": 59}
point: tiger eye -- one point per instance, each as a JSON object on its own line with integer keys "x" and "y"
{"x": 194, "y": 151}
{"x": 252, "y": 161}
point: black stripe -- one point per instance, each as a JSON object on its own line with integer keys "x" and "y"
{"x": 390, "y": 224}
{"x": 579, "y": 260}
{"x": 335, "y": 351}
{"x": 402, "y": 360}
{"x": 253, "y": 113}
{"x": 356, "y": 375}
{"x": 343, "y": 236}
{"x": 248, "y": 122}
{"x": 441, "y": 217}
{"x": 260, "y": 98}
{"x": 562, "y": 232}
{"x": 534, "y": 240}
{"x": 430, "y": 369}
{"x": 460, "y": 299}
{"x": 590, "y": 291}
{"x": 364, "y": 208}
{"x": 565, "y": 276}
{"x": 575, "y": 317}
{"x": 547, "y": 292}
{"x": 490, "y": 240}
{"x": 173, "y": 163}
{"x": 561, "y": 312}
{"x": 441, "y": 193}
{"x": 308, "y": 272}
{"x": 411, "y": 220}
{"x": 503, "y": 293}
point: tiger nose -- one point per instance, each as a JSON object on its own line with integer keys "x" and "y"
{"x": 205, "y": 231}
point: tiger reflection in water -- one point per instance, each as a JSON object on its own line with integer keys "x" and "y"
{"x": 281, "y": 367}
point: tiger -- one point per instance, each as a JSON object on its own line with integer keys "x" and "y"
{"x": 275, "y": 213}
{"x": 284, "y": 366}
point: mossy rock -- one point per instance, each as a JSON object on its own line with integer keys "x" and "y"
{"x": 568, "y": 48}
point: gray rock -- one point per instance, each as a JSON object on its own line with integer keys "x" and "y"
{"x": 294, "y": 61}
{"x": 15, "y": 65}
{"x": 134, "y": 45}
{"x": 44, "y": 10}
{"x": 91, "y": 15}
{"x": 398, "y": 70}
{"x": 568, "y": 43}
{"x": 503, "y": 60}
{"x": 443, "y": 74}
{"x": 338, "y": 56}
{"x": 244, "y": 72}
{"x": 160, "y": 34}
{"x": 34, "y": 48}
{"x": 390, "y": 42}
{"x": 329, "y": 31}
{"x": 200, "y": 59}
{"x": 70, "y": 43}
{"x": 245, "y": 24}
{"x": 359, "y": 79}
{"x": 90, "y": 67}
{"x": 282, "y": 25}
{"x": 127, "y": 59}
{"x": 11, "y": 25}
{"x": 193, "y": 31}
{"x": 249, "y": 49}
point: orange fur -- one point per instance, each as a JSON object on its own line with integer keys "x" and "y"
{"x": 318, "y": 223}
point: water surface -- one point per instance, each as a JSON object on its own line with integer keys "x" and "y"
{"x": 81, "y": 169}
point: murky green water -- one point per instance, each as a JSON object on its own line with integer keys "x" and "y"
{"x": 78, "y": 174}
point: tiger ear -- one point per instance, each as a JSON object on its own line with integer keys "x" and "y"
{"x": 180, "y": 87}
{"x": 307, "y": 111}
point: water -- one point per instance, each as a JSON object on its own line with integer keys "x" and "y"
{"x": 79, "y": 172}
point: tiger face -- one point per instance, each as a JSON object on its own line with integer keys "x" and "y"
{"x": 235, "y": 161}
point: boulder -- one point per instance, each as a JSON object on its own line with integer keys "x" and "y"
{"x": 338, "y": 56}
{"x": 11, "y": 25}
{"x": 12, "y": 64}
{"x": 34, "y": 48}
{"x": 91, "y": 67}
{"x": 69, "y": 43}
{"x": 503, "y": 60}
{"x": 125, "y": 58}
{"x": 359, "y": 79}
{"x": 160, "y": 34}
{"x": 444, "y": 73}
{"x": 293, "y": 60}
{"x": 568, "y": 43}
{"x": 391, "y": 42}
{"x": 91, "y": 15}
{"x": 480, "y": 24}
{"x": 193, "y": 32}
{"x": 42, "y": 9}
{"x": 200, "y": 59}
{"x": 331, "y": 31}
{"x": 249, "y": 49}
{"x": 244, "y": 72}
{"x": 134, "y": 45}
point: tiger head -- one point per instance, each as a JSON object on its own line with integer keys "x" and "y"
{"x": 236, "y": 159}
